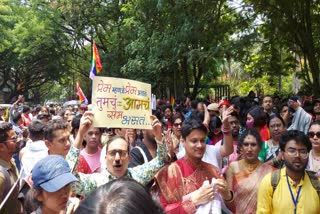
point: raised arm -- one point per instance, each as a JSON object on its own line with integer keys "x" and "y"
{"x": 227, "y": 148}
{"x": 20, "y": 97}
{"x": 73, "y": 154}
{"x": 145, "y": 172}
{"x": 206, "y": 119}
{"x": 89, "y": 182}
{"x": 85, "y": 124}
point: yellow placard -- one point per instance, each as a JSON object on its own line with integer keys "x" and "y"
{"x": 121, "y": 103}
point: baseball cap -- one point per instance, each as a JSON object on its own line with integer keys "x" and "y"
{"x": 294, "y": 98}
{"x": 213, "y": 107}
{"x": 52, "y": 173}
{"x": 224, "y": 102}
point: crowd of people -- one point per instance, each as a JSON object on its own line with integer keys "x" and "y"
{"x": 242, "y": 155}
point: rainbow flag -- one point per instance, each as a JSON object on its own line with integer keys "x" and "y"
{"x": 96, "y": 66}
{"x": 172, "y": 101}
{"x": 82, "y": 97}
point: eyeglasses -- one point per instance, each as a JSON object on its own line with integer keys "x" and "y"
{"x": 293, "y": 153}
{"x": 312, "y": 134}
{"x": 177, "y": 124}
{"x": 122, "y": 153}
{"x": 273, "y": 126}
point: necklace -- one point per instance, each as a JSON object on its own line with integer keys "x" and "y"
{"x": 250, "y": 167}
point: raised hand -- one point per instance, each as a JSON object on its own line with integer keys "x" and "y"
{"x": 169, "y": 142}
{"x": 85, "y": 122}
{"x": 226, "y": 113}
{"x": 156, "y": 128}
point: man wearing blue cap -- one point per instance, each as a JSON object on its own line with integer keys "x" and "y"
{"x": 51, "y": 183}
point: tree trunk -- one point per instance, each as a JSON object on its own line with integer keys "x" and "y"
{"x": 184, "y": 69}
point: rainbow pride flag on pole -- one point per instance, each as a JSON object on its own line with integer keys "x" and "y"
{"x": 172, "y": 101}
{"x": 96, "y": 66}
{"x": 82, "y": 97}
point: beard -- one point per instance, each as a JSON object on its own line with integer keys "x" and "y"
{"x": 150, "y": 138}
{"x": 290, "y": 165}
{"x": 235, "y": 134}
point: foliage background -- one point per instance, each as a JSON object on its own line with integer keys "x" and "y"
{"x": 181, "y": 46}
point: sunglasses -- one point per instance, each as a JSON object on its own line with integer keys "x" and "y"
{"x": 177, "y": 124}
{"x": 312, "y": 134}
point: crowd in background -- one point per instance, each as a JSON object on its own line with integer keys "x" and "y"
{"x": 237, "y": 155}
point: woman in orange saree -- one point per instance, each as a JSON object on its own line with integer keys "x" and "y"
{"x": 244, "y": 176}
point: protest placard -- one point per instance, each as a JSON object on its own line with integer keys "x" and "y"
{"x": 121, "y": 103}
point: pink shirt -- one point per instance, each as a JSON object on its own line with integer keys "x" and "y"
{"x": 233, "y": 157}
{"x": 26, "y": 119}
{"x": 93, "y": 160}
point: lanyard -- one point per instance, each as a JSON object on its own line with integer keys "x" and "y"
{"x": 295, "y": 200}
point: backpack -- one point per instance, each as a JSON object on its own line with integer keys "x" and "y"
{"x": 145, "y": 159}
{"x": 275, "y": 178}
{"x": 7, "y": 182}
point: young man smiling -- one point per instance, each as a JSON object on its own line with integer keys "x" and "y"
{"x": 181, "y": 185}
{"x": 294, "y": 191}
{"x": 57, "y": 137}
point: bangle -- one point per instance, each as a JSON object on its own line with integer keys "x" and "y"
{"x": 231, "y": 199}
{"x": 225, "y": 129}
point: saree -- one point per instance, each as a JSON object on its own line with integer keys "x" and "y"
{"x": 177, "y": 180}
{"x": 245, "y": 186}
{"x": 311, "y": 165}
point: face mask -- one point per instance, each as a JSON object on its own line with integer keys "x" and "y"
{"x": 249, "y": 124}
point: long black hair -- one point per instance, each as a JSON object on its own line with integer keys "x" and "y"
{"x": 120, "y": 196}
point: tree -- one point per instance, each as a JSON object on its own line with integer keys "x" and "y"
{"x": 36, "y": 51}
{"x": 180, "y": 42}
{"x": 298, "y": 23}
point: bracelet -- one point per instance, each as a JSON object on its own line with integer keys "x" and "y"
{"x": 226, "y": 133}
{"x": 231, "y": 199}
{"x": 225, "y": 129}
